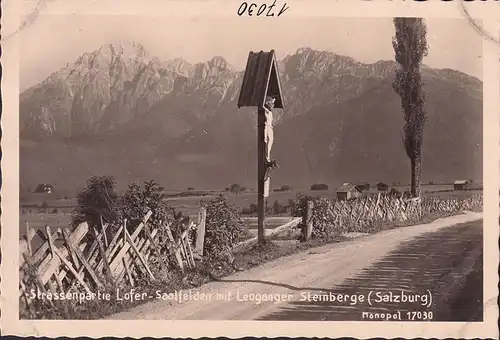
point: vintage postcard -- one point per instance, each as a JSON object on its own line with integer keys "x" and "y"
{"x": 228, "y": 168}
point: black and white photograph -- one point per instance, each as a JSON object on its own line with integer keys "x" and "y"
{"x": 251, "y": 169}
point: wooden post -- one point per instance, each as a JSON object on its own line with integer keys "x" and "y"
{"x": 261, "y": 200}
{"x": 124, "y": 232}
{"x": 200, "y": 231}
{"x": 261, "y": 80}
{"x": 307, "y": 221}
{"x": 28, "y": 238}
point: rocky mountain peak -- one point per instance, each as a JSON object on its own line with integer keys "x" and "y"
{"x": 216, "y": 74}
{"x": 212, "y": 68}
{"x": 220, "y": 63}
{"x": 179, "y": 65}
{"x": 126, "y": 48}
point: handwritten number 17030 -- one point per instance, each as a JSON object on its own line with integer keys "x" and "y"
{"x": 252, "y": 9}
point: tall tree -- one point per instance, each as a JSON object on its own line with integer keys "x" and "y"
{"x": 410, "y": 47}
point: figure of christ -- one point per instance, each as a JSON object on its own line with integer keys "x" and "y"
{"x": 269, "y": 134}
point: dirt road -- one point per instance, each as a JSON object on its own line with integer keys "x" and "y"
{"x": 369, "y": 278}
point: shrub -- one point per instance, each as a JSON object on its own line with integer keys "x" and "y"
{"x": 297, "y": 207}
{"x": 252, "y": 209}
{"x": 394, "y": 192}
{"x": 137, "y": 201}
{"x": 319, "y": 214}
{"x": 315, "y": 187}
{"x": 98, "y": 200}
{"x": 279, "y": 208}
{"x": 223, "y": 229}
{"x": 235, "y": 189}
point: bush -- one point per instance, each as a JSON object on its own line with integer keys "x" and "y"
{"x": 297, "y": 207}
{"x": 134, "y": 205}
{"x": 315, "y": 187}
{"x": 97, "y": 202}
{"x": 223, "y": 229}
{"x": 235, "y": 189}
{"x": 279, "y": 208}
{"x": 252, "y": 209}
{"x": 137, "y": 201}
{"x": 394, "y": 192}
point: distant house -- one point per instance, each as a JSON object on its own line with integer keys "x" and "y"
{"x": 315, "y": 187}
{"x": 460, "y": 185}
{"x": 44, "y": 189}
{"x": 348, "y": 191}
{"x": 381, "y": 186}
{"x": 364, "y": 186}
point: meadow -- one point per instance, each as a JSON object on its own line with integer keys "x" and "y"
{"x": 40, "y": 210}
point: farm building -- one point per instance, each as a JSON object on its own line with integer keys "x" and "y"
{"x": 44, "y": 189}
{"x": 315, "y": 187}
{"x": 364, "y": 186}
{"x": 348, "y": 191}
{"x": 381, "y": 186}
{"x": 460, "y": 185}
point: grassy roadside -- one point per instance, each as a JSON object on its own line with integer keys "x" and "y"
{"x": 203, "y": 273}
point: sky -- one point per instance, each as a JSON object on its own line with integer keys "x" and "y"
{"x": 53, "y": 40}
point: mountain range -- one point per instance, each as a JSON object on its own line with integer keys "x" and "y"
{"x": 119, "y": 110}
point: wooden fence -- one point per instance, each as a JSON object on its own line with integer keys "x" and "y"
{"x": 84, "y": 258}
{"x": 359, "y": 214}
{"x": 88, "y": 258}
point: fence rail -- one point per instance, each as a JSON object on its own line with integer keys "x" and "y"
{"x": 289, "y": 223}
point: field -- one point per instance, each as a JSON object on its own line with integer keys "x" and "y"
{"x": 57, "y": 212}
